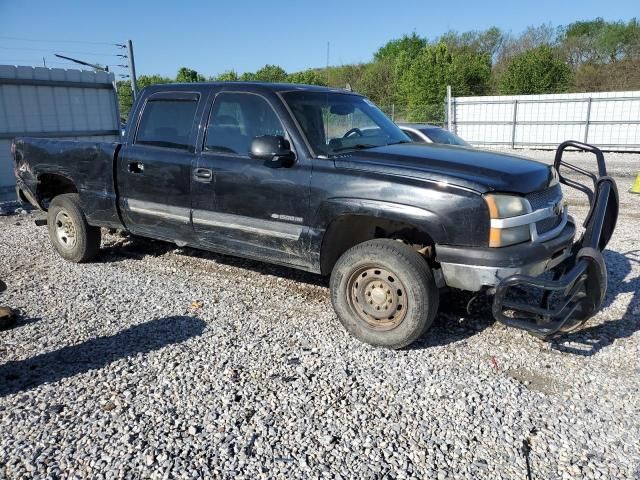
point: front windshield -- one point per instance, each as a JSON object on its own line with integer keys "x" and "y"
{"x": 440, "y": 135}
{"x": 335, "y": 123}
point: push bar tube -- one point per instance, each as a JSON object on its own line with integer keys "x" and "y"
{"x": 579, "y": 284}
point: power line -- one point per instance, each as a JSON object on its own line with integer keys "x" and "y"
{"x": 38, "y": 61}
{"x": 56, "y": 41}
{"x": 66, "y": 51}
{"x": 32, "y": 63}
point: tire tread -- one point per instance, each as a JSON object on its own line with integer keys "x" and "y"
{"x": 415, "y": 267}
{"x": 88, "y": 241}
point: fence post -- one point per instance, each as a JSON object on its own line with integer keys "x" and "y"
{"x": 586, "y": 122}
{"x": 393, "y": 112}
{"x": 515, "y": 122}
{"x": 449, "y": 115}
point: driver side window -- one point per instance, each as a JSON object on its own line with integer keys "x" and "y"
{"x": 236, "y": 119}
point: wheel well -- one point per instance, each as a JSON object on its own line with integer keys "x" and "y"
{"x": 51, "y": 185}
{"x": 350, "y": 230}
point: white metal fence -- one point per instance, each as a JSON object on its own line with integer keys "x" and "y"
{"x": 609, "y": 120}
{"x": 55, "y": 103}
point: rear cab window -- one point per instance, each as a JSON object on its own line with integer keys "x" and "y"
{"x": 167, "y": 121}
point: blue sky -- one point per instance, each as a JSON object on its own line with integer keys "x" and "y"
{"x": 212, "y": 37}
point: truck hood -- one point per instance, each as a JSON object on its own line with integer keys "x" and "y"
{"x": 479, "y": 170}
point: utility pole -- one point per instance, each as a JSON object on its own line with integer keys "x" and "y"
{"x": 132, "y": 69}
{"x": 328, "y": 51}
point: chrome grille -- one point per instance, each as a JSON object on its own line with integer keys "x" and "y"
{"x": 544, "y": 199}
{"x": 547, "y": 224}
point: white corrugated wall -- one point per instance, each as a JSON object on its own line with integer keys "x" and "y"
{"x": 53, "y": 102}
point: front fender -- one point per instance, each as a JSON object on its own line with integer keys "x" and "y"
{"x": 423, "y": 219}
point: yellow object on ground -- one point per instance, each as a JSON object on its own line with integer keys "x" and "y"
{"x": 635, "y": 188}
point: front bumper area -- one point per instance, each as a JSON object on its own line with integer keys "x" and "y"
{"x": 579, "y": 284}
{"x": 475, "y": 268}
{"x": 547, "y": 307}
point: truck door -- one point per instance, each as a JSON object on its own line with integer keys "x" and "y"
{"x": 154, "y": 168}
{"x": 241, "y": 204}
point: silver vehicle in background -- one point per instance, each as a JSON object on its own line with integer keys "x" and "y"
{"x": 425, "y": 133}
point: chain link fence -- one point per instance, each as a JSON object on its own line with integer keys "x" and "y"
{"x": 434, "y": 114}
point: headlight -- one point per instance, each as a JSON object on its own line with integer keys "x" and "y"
{"x": 501, "y": 237}
{"x": 506, "y": 206}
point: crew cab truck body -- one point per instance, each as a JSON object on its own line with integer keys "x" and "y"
{"x": 319, "y": 179}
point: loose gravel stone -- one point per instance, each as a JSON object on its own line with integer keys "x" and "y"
{"x": 112, "y": 373}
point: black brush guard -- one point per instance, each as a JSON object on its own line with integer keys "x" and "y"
{"x": 578, "y": 286}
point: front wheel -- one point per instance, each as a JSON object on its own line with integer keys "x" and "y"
{"x": 384, "y": 293}
{"x": 70, "y": 234}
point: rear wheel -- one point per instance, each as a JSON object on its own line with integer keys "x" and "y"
{"x": 384, "y": 293}
{"x": 70, "y": 234}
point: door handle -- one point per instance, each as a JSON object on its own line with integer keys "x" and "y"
{"x": 204, "y": 175}
{"x": 136, "y": 167}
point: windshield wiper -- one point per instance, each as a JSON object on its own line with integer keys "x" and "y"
{"x": 357, "y": 146}
{"x": 399, "y": 141}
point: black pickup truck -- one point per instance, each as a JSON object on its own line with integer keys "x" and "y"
{"x": 321, "y": 180}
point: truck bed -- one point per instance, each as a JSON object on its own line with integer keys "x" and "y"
{"x": 83, "y": 166}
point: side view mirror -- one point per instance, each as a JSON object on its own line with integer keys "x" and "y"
{"x": 275, "y": 150}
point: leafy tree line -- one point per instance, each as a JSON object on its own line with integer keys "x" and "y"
{"x": 414, "y": 71}
{"x": 268, "y": 73}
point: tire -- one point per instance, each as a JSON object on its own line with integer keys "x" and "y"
{"x": 70, "y": 234}
{"x": 7, "y": 318}
{"x": 384, "y": 293}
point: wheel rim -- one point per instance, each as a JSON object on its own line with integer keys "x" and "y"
{"x": 65, "y": 230}
{"x": 377, "y": 296}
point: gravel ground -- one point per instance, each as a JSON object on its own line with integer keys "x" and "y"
{"x": 161, "y": 362}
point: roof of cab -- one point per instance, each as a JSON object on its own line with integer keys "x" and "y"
{"x": 275, "y": 87}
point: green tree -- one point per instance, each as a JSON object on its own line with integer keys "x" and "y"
{"x": 307, "y": 77}
{"x": 599, "y": 41}
{"x": 483, "y": 42}
{"x": 424, "y": 86}
{"x": 187, "y": 75}
{"x": 378, "y": 82}
{"x": 472, "y": 73}
{"x": 125, "y": 96}
{"x": 605, "y": 77}
{"x": 228, "y": 76}
{"x": 342, "y": 75}
{"x": 539, "y": 70}
{"x": 269, "y": 73}
{"x": 411, "y": 44}
{"x": 248, "y": 77}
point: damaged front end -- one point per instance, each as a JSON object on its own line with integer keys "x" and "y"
{"x": 546, "y": 307}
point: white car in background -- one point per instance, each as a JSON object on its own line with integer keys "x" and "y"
{"x": 425, "y": 133}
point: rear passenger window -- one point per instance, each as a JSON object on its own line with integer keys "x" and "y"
{"x": 236, "y": 119}
{"x": 167, "y": 123}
